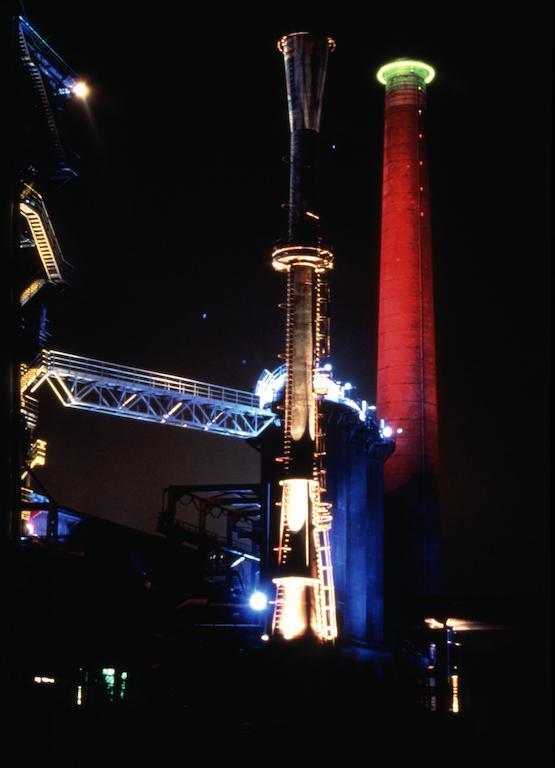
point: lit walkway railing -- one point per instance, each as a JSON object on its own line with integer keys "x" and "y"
{"x": 134, "y": 393}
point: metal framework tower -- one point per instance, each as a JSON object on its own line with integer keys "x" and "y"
{"x": 49, "y": 83}
{"x": 53, "y": 83}
{"x": 305, "y": 599}
{"x": 406, "y": 386}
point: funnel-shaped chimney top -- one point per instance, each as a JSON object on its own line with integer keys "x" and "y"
{"x": 306, "y": 59}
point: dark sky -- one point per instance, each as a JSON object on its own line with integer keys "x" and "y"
{"x": 177, "y": 206}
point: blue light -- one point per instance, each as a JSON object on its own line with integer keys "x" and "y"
{"x": 39, "y": 522}
{"x": 258, "y": 601}
{"x": 204, "y": 315}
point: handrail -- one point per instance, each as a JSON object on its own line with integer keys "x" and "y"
{"x": 62, "y": 362}
{"x": 32, "y": 207}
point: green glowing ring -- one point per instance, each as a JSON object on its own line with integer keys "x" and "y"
{"x": 401, "y": 66}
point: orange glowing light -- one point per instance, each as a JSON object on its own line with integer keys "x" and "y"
{"x": 81, "y": 89}
{"x": 292, "y": 618}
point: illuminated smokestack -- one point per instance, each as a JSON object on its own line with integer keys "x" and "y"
{"x": 406, "y": 386}
{"x": 305, "y": 601}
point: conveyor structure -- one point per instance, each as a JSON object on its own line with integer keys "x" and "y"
{"x": 134, "y": 393}
{"x": 119, "y": 390}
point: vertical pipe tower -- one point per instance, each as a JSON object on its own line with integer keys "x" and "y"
{"x": 406, "y": 386}
{"x": 305, "y": 600}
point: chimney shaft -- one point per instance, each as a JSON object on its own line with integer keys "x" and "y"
{"x": 406, "y": 385}
{"x": 305, "y": 601}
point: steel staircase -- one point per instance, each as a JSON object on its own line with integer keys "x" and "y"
{"x": 33, "y": 209}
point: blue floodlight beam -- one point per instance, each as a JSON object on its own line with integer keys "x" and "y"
{"x": 258, "y": 601}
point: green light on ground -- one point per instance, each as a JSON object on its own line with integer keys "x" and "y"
{"x": 123, "y": 680}
{"x": 109, "y": 675}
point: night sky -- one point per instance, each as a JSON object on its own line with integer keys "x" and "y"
{"x": 178, "y": 203}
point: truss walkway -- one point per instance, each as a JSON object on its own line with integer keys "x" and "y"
{"x": 118, "y": 390}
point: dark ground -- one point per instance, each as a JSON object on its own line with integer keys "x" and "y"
{"x": 223, "y": 692}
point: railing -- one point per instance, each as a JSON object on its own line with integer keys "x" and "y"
{"x": 218, "y": 541}
{"x": 51, "y": 64}
{"x": 34, "y": 210}
{"x": 37, "y": 65}
{"x": 134, "y": 393}
{"x": 82, "y": 367}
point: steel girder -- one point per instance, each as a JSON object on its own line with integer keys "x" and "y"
{"x": 133, "y": 393}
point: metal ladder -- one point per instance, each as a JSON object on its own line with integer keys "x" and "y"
{"x": 326, "y": 594}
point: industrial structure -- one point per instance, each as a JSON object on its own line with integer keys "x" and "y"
{"x": 321, "y": 451}
{"x": 317, "y": 577}
{"x": 47, "y": 83}
{"x": 406, "y": 382}
{"x": 305, "y": 593}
